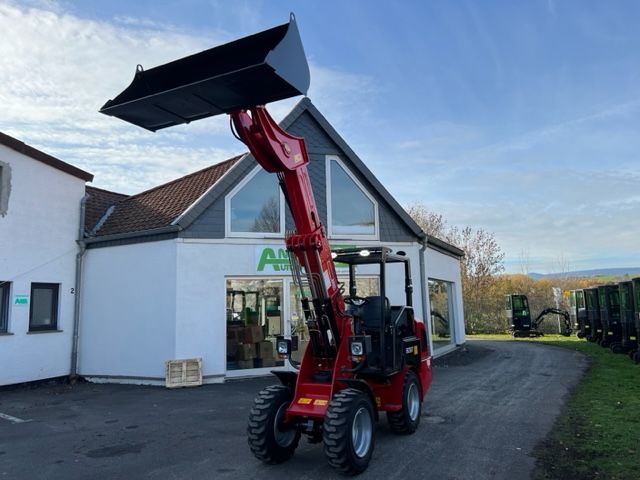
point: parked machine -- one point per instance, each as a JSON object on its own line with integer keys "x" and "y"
{"x": 592, "y": 301}
{"x": 364, "y": 355}
{"x": 629, "y": 336}
{"x": 519, "y": 317}
{"x": 609, "y": 299}
{"x": 578, "y": 313}
{"x": 636, "y": 303}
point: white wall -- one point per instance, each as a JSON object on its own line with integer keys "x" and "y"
{"x": 443, "y": 267}
{"x": 146, "y": 303}
{"x": 128, "y": 311}
{"x": 37, "y": 244}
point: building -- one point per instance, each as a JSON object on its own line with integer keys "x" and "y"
{"x": 40, "y": 212}
{"x": 197, "y": 267}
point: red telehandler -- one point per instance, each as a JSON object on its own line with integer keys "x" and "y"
{"x": 365, "y": 356}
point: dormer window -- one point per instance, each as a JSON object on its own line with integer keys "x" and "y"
{"x": 255, "y": 208}
{"x": 353, "y": 213}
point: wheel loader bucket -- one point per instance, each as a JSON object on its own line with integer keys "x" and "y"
{"x": 254, "y": 70}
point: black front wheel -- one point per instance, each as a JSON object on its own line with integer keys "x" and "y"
{"x": 349, "y": 433}
{"x": 407, "y": 419}
{"x": 269, "y": 438}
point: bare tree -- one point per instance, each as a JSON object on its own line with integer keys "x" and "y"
{"x": 268, "y": 219}
{"x": 479, "y": 267}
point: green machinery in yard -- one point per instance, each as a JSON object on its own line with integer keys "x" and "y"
{"x": 578, "y": 313}
{"x": 592, "y": 303}
{"x": 629, "y": 340}
{"x": 609, "y": 298}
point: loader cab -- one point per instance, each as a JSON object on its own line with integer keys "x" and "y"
{"x": 391, "y": 328}
{"x": 609, "y": 297}
{"x": 518, "y": 314}
{"x": 629, "y": 341}
{"x": 592, "y": 302}
{"x": 578, "y": 312}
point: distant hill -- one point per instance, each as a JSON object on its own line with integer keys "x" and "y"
{"x": 598, "y": 272}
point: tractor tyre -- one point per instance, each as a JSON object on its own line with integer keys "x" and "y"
{"x": 636, "y": 358}
{"x": 407, "y": 419}
{"x": 632, "y": 353}
{"x": 269, "y": 440}
{"x": 617, "y": 348}
{"x": 580, "y": 335}
{"x": 349, "y": 431}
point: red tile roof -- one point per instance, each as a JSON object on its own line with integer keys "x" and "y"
{"x": 161, "y": 205}
{"x": 97, "y": 205}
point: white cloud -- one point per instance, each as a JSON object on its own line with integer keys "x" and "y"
{"x": 58, "y": 69}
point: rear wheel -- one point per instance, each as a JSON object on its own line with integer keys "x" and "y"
{"x": 636, "y": 357}
{"x": 269, "y": 439}
{"x": 407, "y": 419}
{"x": 349, "y": 434}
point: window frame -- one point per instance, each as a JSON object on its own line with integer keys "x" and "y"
{"x": 358, "y": 184}
{"x": 227, "y": 210}
{"x": 55, "y": 287}
{"x": 5, "y": 295}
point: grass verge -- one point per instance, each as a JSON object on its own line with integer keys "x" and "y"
{"x": 598, "y": 436}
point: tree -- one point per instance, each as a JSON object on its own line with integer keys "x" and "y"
{"x": 480, "y": 267}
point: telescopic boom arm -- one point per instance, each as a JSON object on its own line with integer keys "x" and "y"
{"x": 286, "y": 155}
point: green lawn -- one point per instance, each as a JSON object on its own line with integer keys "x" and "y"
{"x": 599, "y": 434}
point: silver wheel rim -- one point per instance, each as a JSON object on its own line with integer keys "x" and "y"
{"x": 282, "y": 437}
{"x": 361, "y": 432}
{"x": 413, "y": 401}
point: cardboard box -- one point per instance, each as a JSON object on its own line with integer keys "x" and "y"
{"x": 246, "y": 351}
{"x": 245, "y": 364}
{"x": 236, "y": 333}
{"x": 264, "y": 362}
{"x": 253, "y": 334}
{"x": 264, "y": 349}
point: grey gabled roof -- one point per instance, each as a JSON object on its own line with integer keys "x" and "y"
{"x": 305, "y": 105}
{"x": 241, "y": 166}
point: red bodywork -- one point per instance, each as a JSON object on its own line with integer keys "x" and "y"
{"x": 286, "y": 155}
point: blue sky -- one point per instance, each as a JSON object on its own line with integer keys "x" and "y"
{"x": 522, "y": 118}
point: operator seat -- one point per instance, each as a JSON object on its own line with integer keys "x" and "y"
{"x": 375, "y": 320}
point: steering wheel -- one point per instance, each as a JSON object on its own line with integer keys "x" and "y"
{"x": 356, "y": 301}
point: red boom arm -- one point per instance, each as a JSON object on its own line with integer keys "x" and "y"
{"x": 279, "y": 152}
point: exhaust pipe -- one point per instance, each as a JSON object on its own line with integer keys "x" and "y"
{"x": 254, "y": 70}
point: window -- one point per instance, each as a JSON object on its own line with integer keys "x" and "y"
{"x": 441, "y": 302}
{"x": 255, "y": 207}
{"x": 4, "y": 306}
{"x": 254, "y": 320}
{"x": 43, "y": 314}
{"x": 352, "y": 211}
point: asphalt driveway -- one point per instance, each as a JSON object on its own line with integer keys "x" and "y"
{"x": 486, "y": 410}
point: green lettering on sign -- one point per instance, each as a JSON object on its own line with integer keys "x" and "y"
{"x": 279, "y": 261}
{"x": 21, "y": 300}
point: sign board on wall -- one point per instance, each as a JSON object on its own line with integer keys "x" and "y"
{"x": 21, "y": 300}
{"x": 275, "y": 259}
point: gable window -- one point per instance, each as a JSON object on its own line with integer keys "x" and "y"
{"x": 255, "y": 207}
{"x": 43, "y": 314}
{"x": 353, "y": 213}
{"x": 4, "y": 306}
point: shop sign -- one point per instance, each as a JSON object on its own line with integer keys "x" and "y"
{"x": 21, "y": 300}
{"x": 275, "y": 259}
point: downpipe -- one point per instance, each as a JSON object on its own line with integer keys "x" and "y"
{"x": 426, "y": 314}
{"x": 82, "y": 247}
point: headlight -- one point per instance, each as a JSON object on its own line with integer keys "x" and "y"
{"x": 357, "y": 348}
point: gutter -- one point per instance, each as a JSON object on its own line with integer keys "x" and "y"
{"x": 82, "y": 247}
{"x": 126, "y": 235}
